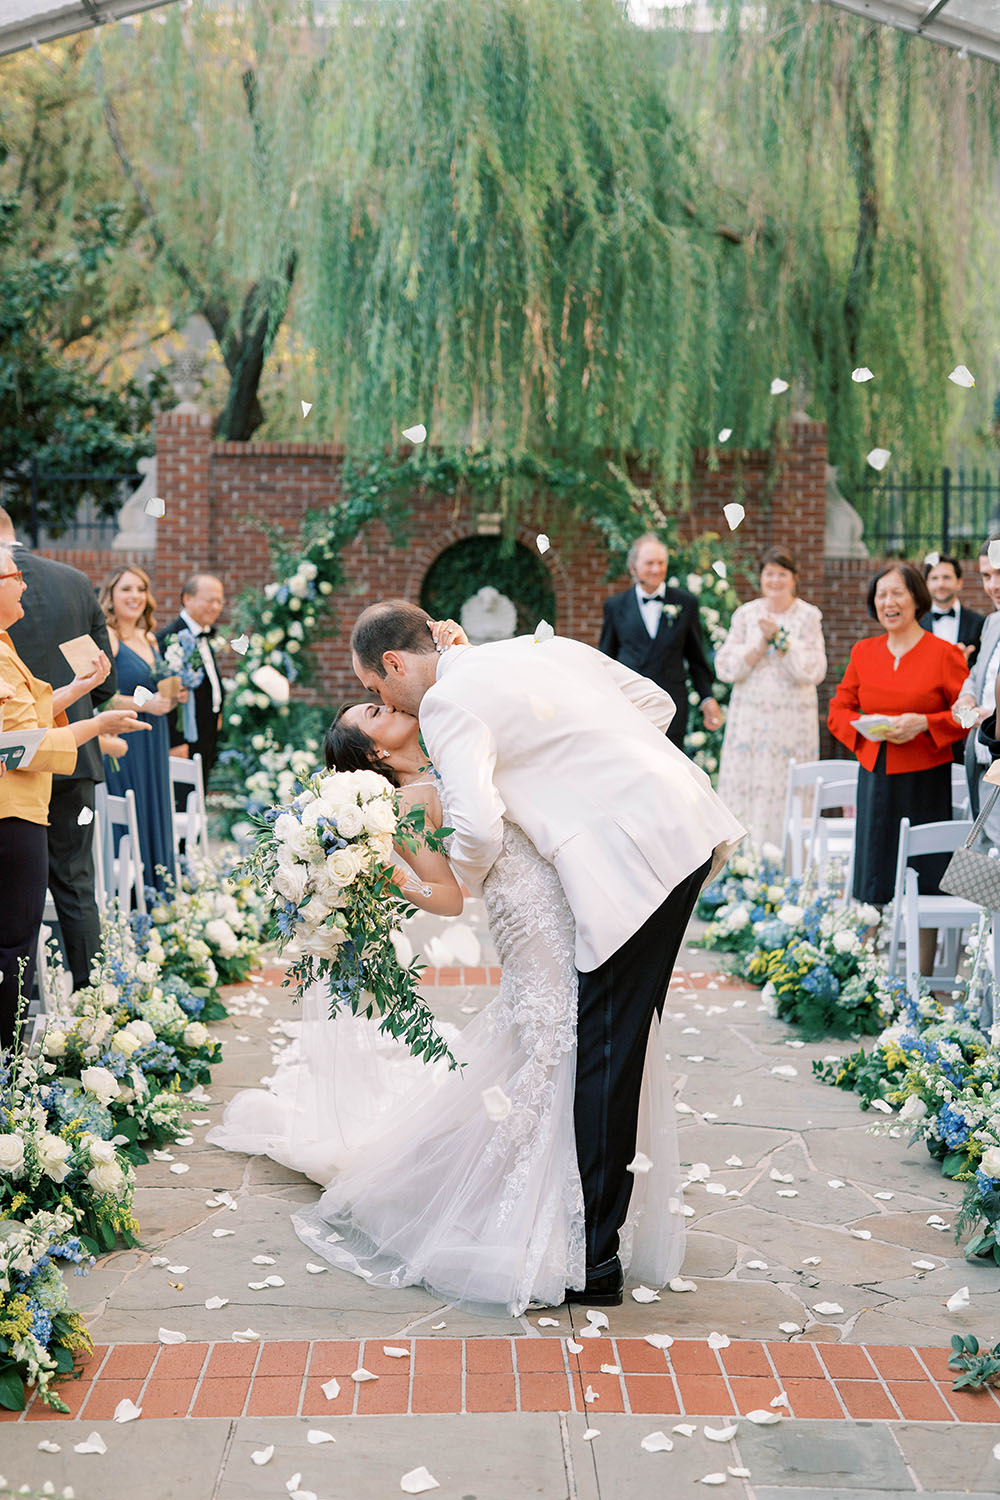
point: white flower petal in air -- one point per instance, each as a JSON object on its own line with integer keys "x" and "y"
{"x": 932, "y": 559}
{"x": 778, "y": 386}
{"x": 171, "y": 1336}
{"x": 92, "y": 1444}
{"x": 127, "y": 1411}
{"x": 725, "y": 434}
{"x": 958, "y": 1300}
{"x": 656, "y": 1442}
{"x": 718, "y": 1341}
{"x": 733, "y": 513}
{"x": 262, "y": 1456}
{"x": 141, "y": 695}
{"x": 241, "y": 645}
{"x": 495, "y": 1102}
{"x": 994, "y": 554}
{"x": 85, "y": 816}
{"x": 861, "y": 374}
{"x": 542, "y": 542}
{"x": 721, "y": 1434}
{"x": 307, "y": 407}
{"x": 331, "y": 1389}
{"x": 214, "y": 1303}
{"x": 659, "y": 1340}
{"x": 720, "y": 569}
{"x": 827, "y": 1309}
{"x": 543, "y": 632}
{"x": 154, "y": 506}
{"x": 315, "y": 1435}
{"x": 963, "y": 376}
{"x": 639, "y": 1164}
{"x": 762, "y": 1418}
{"x": 415, "y": 434}
{"x": 679, "y": 1284}
{"x": 644, "y": 1294}
{"x": 878, "y": 458}
{"x": 273, "y": 683}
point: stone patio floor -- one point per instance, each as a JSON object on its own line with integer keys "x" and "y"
{"x": 797, "y": 1210}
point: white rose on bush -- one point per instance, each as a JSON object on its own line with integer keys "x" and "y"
{"x": 11, "y": 1155}
{"x": 101, "y": 1083}
{"x": 53, "y": 1156}
{"x": 196, "y": 1035}
{"x": 107, "y": 1179}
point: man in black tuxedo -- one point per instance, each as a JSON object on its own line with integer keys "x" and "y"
{"x": 947, "y": 617}
{"x": 59, "y": 604}
{"x": 202, "y": 598}
{"x": 655, "y": 630}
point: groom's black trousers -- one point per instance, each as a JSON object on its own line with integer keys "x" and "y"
{"x": 614, "y": 1012}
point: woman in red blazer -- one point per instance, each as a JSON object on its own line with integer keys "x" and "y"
{"x": 909, "y": 679}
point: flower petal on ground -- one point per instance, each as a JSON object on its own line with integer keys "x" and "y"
{"x": 958, "y": 1300}
{"x": 315, "y": 1435}
{"x": 92, "y": 1444}
{"x": 659, "y": 1340}
{"x": 331, "y": 1390}
{"x": 680, "y": 1284}
{"x": 171, "y": 1336}
{"x": 718, "y": 1341}
{"x": 761, "y": 1418}
{"x": 721, "y": 1434}
{"x": 644, "y": 1294}
{"x": 656, "y": 1442}
{"x": 262, "y": 1455}
{"x": 827, "y": 1309}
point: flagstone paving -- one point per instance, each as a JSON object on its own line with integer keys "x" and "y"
{"x": 499, "y": 1407}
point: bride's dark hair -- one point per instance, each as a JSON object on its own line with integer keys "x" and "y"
{"x": 348, "y": 748}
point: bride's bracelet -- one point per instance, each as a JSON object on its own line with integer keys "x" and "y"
{"x": 417, "y": 890}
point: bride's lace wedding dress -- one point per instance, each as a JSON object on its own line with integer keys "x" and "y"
{"x": 422, "y": 1184}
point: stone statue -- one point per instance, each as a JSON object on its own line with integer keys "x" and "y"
{"x": 844, "y": 527}
{"x": 488, "y": 616}
{"x": 137, "y": 531}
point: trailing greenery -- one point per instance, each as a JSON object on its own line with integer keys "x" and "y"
{"x": 980, "y": 1367}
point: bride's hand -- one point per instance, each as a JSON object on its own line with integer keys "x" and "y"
{"x": 447, "y": 633}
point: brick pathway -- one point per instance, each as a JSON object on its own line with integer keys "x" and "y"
{"x": 284, "y": 1378}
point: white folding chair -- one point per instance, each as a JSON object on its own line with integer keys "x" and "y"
{"x": 191, "y": 825}
{"x": 123, "y": 872}
{"x": 960, "y": 807}
{"x": 833, "y": 838}
{"x": 912, "y": 911}
{"x": 802, "y": 781}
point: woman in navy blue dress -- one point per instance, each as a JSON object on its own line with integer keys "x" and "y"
{"x": 128, "y": 605}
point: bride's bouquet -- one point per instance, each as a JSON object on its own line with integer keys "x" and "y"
{"x": 326, "y": 861}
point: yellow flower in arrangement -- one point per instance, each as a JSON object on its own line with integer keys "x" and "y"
{"x": 894, "y": 1056}
{"x": 15, "y": 1318}
{"x": 15, "y": 1205}
{"x": 77, "y": 1336}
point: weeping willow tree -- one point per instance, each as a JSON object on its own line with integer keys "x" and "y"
{"x": 539, "y": 228}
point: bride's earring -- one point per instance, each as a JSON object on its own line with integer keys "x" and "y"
{"x": 384, "y": 754}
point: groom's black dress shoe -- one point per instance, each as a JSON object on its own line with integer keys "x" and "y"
{"x": 605, "y": 1286}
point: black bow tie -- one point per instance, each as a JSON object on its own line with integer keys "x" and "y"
{"x": 943, "y": 614}
{"x": 651, "y": 598}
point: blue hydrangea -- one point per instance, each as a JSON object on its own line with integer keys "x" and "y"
{"x": 74, "y": 1106}
{"x": 821, "y": 983}
{"x": 985, "y": 1184}
{"x": 953, "y": 1127}
{"x": 41, "y": 1324}
{"x": 772, "y": 934}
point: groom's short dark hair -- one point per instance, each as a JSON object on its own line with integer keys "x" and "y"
{"x": 391, "y": 625}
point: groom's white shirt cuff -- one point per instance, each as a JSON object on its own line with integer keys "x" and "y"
{"x": 463, "y": 751}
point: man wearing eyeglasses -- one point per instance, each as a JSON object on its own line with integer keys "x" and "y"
{"x": 59, "y": 604}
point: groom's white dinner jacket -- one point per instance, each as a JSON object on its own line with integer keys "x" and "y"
{"x": 570, "y": 746}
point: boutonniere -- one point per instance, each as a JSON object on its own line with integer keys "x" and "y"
{"x": 671, "y": 611}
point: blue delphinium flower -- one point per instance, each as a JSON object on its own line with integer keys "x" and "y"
{"x": 953, "y": 1127}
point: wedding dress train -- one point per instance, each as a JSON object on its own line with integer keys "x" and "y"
{"x": 426, "y": 1182}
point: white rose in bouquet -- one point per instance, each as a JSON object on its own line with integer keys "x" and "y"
{"x": 913, "y": 1110}
{"x": 222, "y": 936}
{"x": 101, "y": 1083}
{"x": 53, "y": 1156}
{"x": 196, "y": 1035}
{"x": 318, "y": 943}
{"x": 336, "y": 790}
{"x": 990, "y": 1162}
{"x": 54, "y": 1042}
{"x": 313, "y": 812}
{"x": 285, "y": 827}
{"x": 350, "y": 821}
{"x": 126, "y": 1042}
{"x": 305, "y": 845}
{"x": 291, "y": 881}
{"x": 107, "y": 1179}
{"x": 379, "y": 816}
{"x": 381, "y": 846}
{"x": 344, "y": 865}
{"x": 371, "y": 784}
{"x": 11, "y": 1155}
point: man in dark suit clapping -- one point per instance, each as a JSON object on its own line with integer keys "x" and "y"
{"x": 947, "y": 616}
{"x": 655, "y": 630}
{"x": 202, "y": 598}
{"x": 59, "y": 604}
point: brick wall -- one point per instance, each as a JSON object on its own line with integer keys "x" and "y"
{"x": 222, "y": 498}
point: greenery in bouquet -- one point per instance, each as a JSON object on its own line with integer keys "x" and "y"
{"x": 818, "y": 971}
{"x": 39, "y": 1332}
{"x": 326, "y": 861}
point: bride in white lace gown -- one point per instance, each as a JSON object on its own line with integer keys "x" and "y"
{"x": 423, "y": 1183}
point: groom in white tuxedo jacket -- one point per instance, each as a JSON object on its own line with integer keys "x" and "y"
{"x": 570, "y": 745}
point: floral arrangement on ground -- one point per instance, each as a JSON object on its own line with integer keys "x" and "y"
{"x": 113, "y": 1074}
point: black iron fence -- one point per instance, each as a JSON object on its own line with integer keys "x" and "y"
{"x": 909, "y": 515}
{"x": 63, "y": 511}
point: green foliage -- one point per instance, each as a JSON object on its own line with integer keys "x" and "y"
{"x": 980, "y": 1367}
